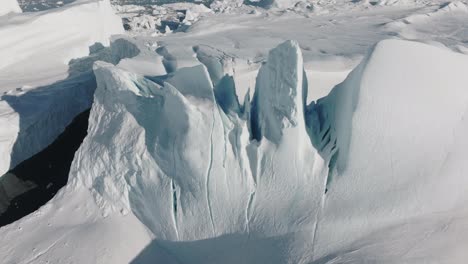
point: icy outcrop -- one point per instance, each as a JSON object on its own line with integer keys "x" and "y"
{"x": 172, "y": 185}
{"x": 181, "y": 156}
{"x": 32, "y": 120}
{"x": 279, "y": 105}
{"x": 284, "y": 155}
{"x": 194, "y": 165}
{"x": 9, "y": 6}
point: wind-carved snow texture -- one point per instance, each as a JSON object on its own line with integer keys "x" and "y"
{"x": 193, "y": 164}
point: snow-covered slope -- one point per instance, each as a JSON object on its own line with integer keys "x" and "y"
{"x": 9, "y": 6}
{"x": 410, "y": 103}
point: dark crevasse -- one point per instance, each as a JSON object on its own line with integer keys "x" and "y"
{"x": 36, "y": 180}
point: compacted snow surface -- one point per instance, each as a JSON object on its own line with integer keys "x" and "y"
{"x": 313, "y": 132}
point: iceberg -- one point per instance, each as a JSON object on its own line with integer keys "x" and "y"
{"x": 205, "y": 171}
{"x": 195, "y": 166}
{"x": 187, "y": 174}
{"x": 44, "y": 86}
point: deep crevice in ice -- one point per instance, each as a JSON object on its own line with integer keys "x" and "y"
{"x": 226, "y": 97}
{"x": 174, "y": 204}
{"x": 254, "y": 124}
{"x": 36, "y": 180}
{"x": 51, "y": 129}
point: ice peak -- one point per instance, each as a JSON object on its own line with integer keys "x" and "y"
{"x": 278, "y": 101}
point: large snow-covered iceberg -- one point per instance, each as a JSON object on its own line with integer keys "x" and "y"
{"x": 192, "y": 164}
{"x": 373, "y": 172}
{"x": 189, "y": 168}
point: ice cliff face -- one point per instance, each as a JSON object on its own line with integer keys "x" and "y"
{"x": 192, "y": 163}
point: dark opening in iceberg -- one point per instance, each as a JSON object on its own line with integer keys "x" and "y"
{"x": 36, "y": 180}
